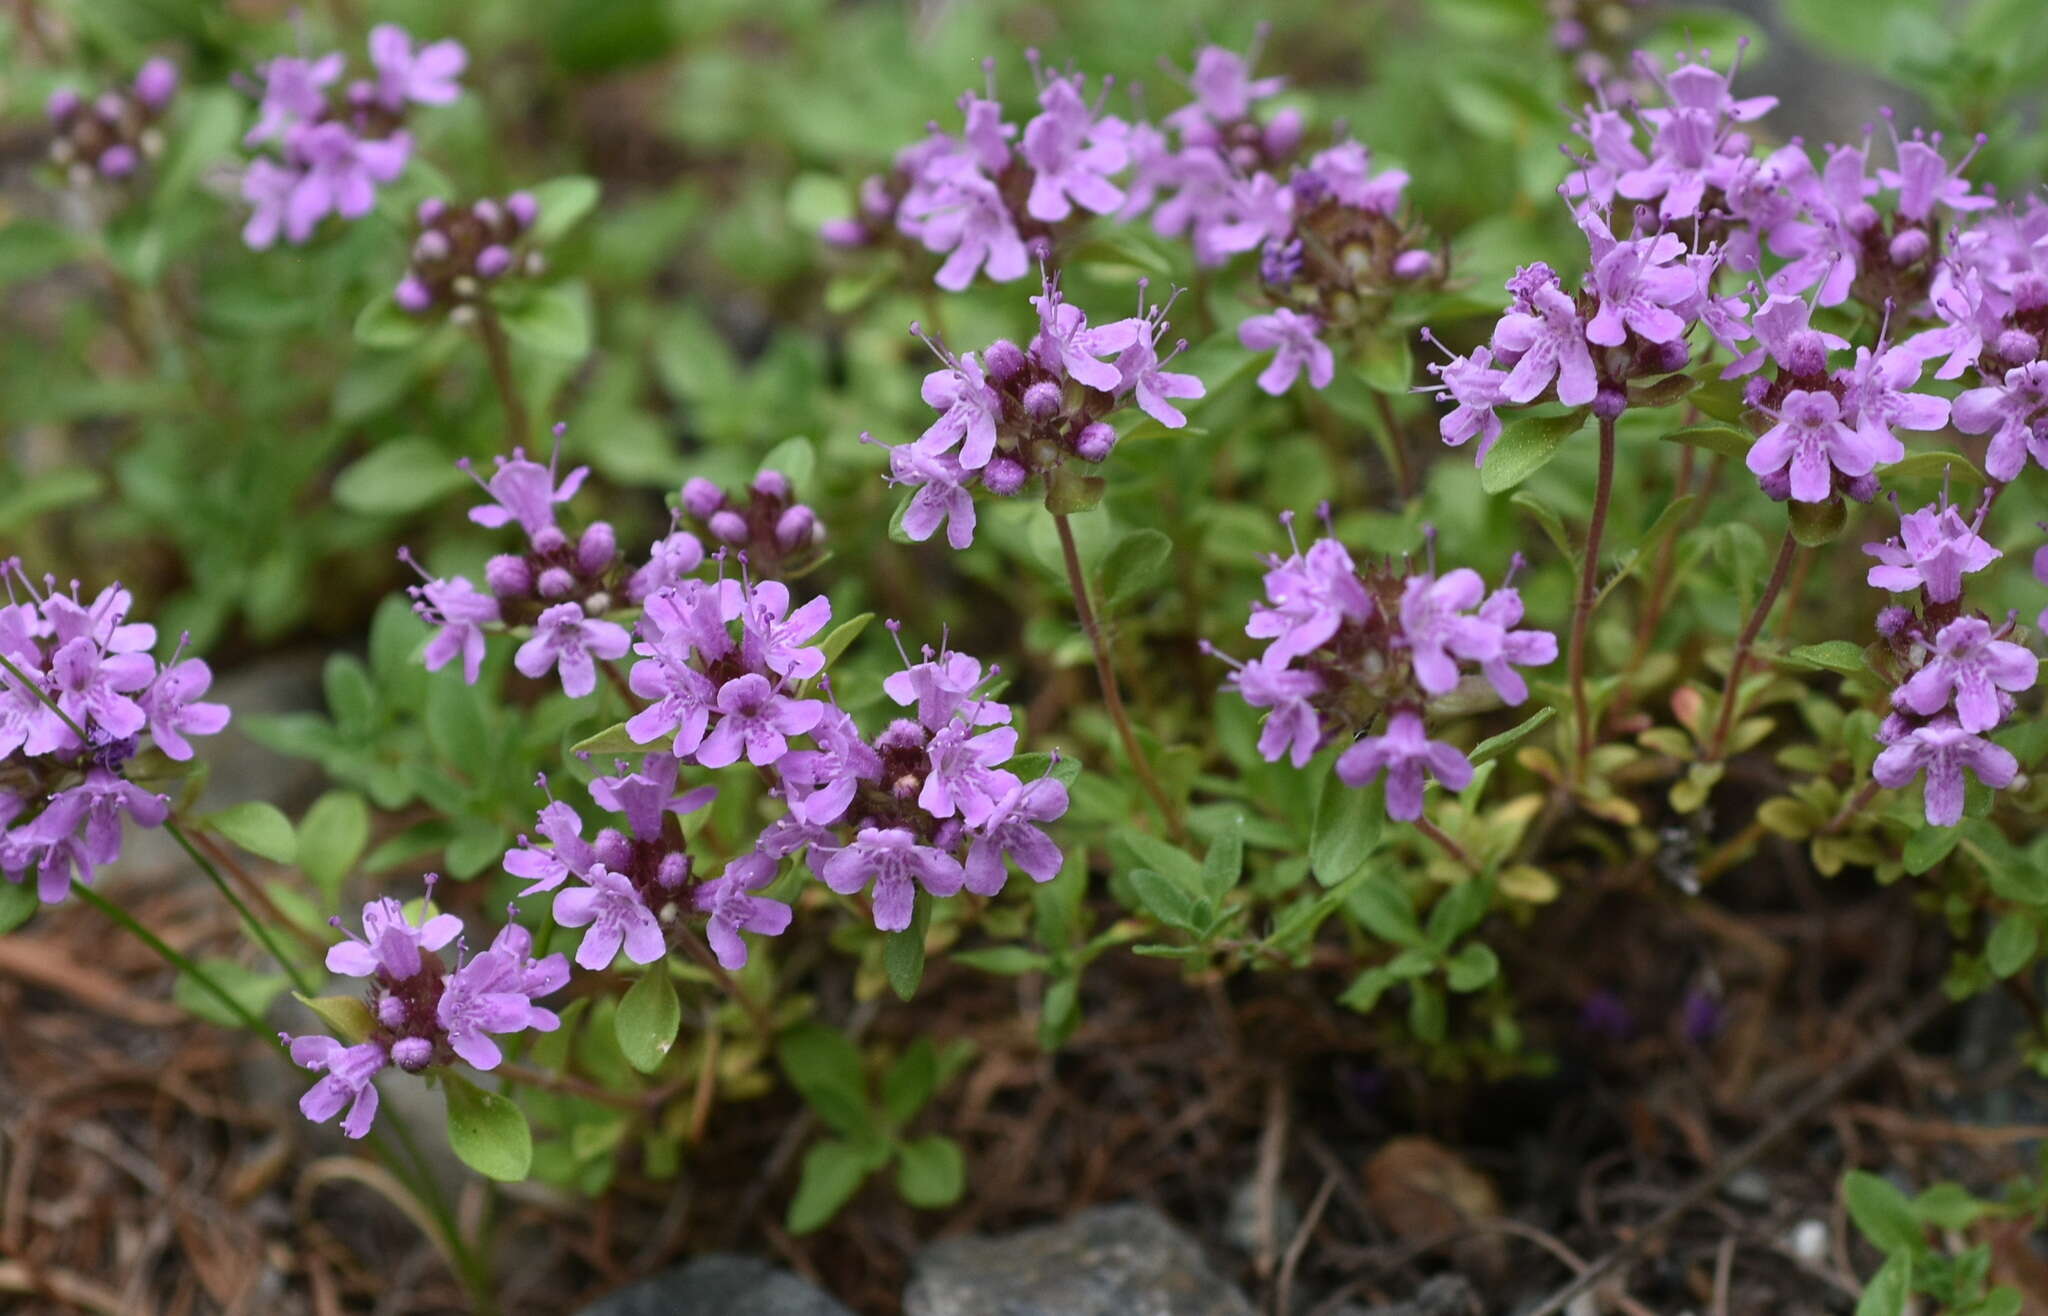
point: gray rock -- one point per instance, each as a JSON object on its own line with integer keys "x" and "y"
{"x": 718, "y": 1285}
{"x": 1241, "y": 1224}
{"x": 1125, "y": 1260}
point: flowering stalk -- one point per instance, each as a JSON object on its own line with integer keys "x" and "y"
{"x": 1105, "y": 675}
{"x": 1732, "y": 694}
{"x": 1589, "y": 593}
{"x": 492, "y": 332}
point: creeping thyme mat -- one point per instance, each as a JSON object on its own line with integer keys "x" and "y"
{"x": 863, "y": 683}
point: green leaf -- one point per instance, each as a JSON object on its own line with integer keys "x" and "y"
{"x": 1831, "y": 656}
{"x": 1347, "y": 829}
{"x": 2013, "y": 943}
{"x": 1163, "y": 858}
{"x": 612, "y": 740}
{"x": 1526, "y": 447}
{"x": 1474, "y": 966}
{"x": 1934, "y": 467}
{"x": 826, "y": 1068}
{"x": 1006, "y": 961}
{"x": 1816, "y": 524}
{"x": 903, "y": 953}
{"x": 259, "y": 828}
{"x": 487, "y": 1131}
{"x": 1225, "y": 859}
{"x": 910, "y": 1082}
{"x": 18, "y": 903}
{"x": 210, "y": 120}
{"x": 1133, "y": 566}
{"x": 1030, "y": 767}
{"x": 383, "y": 325}
{"x": 841, "y": 637}
{"x": 1427, "y": 1011}
{"x": 1068, "y": 491}
{"x": 554, "y": 321}
{"x": 1459, "y": 910}
{"x": 396, "y": 477}
{"x": 930, "y": 1172}
{"x": 1889, "y": 1288}
{"x": 1949, "y": 1206}
{"x": 1495, "y": 746}
{"x": 1927, "y": 847}
{"x": 1724, "y": 439}
{"x": 648, "y": 1019}
{"x": 252, "y": 990}
{"x": 1164, "y": 898}
{"x": 1547, "y": 517}
{"x": 1882, "y": 1213}
{"x": 346, "y": 1016}
{"x": 563, "y": 201}
{"x": 795, "y": 459}
{"x": 832, "y": 1174}
{"x": 331, "y": 838}
{"x": 49, "y": 491}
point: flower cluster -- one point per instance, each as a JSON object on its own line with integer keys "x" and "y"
{"x": 1955, "y": 675}
{"x": 111, "y": 135}
{"x": 1348, "y": 649}
{"x": 1010, "y": 415}
{"x": 333, "y": 148}
{"x": 79, "y": 694}
{"x": 420, "y": 1012}
{"x": 462, "y": 249}
{"x": 776, "y": 533}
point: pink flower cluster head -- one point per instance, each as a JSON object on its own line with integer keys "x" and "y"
{"x": 109, "y": 138}
{"x": 1957, "y": 675}
{"x": 80, "y": 696}
{"x": 776, "y": 531}
{"x": 423, "y": 1013}
{"x": 461, "y": 251}
{"x": 1010, "y": 414}
{"x": 1347, "y": 648}
{"x": 332, "y": 145}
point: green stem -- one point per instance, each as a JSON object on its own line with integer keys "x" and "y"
{"x": 1582, "y": 612}
{"x": 176, "y": 959}
{"x": 255, "y": 926}
{"x": 492, "y": 331}
{"x": 1732, "y": 694}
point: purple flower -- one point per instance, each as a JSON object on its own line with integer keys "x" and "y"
{"x": 898, "y": 865}
{"x": 755, "y": 718}
{"x": 733, "y": 910}
{"x": 293, "y": 94}
{"x": 940, "y": 686}
{"x": 941, "y": 497}
{"x": 461, "y": 611}
{"x": 964, "y": 775}
{"x": 669, "y": 560}
{"x": 1072, "y": 153}
{"x": 390, "y": 945}
{"x": 1637, "y": 284}
{"x": 819, "y": 783}
{"x": 1146, "y": 375}
{"x": 1293, "y": 727}
{"x": 970, "y": 412}
{"x": 1404, "y": 753}
{"x": 172, "y": 703}
{"x": 1934, "y": 550}
{"x": 683, "y": 698}
{"x": 691, "y": 618}
{"x": 773, "y": 637}
{"x": 80, "y": 830}
{"x": 1877, "y": 394}
{"x": 1223, "y": 86}
{"x": 2010, "y": 408}
{"x": 1545, "y": 341}
{"x": 1784, "y": 334}
{"x": 615, "y": 914}
{"x": 156, "y": 82}
{"x": 1346, "y": 169}
{"x": 91, "y": 686}
{"x": 967, "y": 218}
{"x": 1437, "y": 631}
{"x": 544, "y": 870}
{"x": 426, "y": 77}
{"x": 493, "y": 993}
{"x": 342, "y": 173}
{"x": 646, "y": 795}
{"x": 268, "y": 189}
{"x": 1477, "y": 388}
{"x": 1811, "y": 439}
{"x": 1066, "y": 344}
{"x": 349, "y": 1081}
{"x": 1503, "y": 608}
{"x": 1011, "y": 830}
{"x": 1307, "y": 599}
{"x": 524, "y": 491}
{"x": 1291, "y": 337}
{"x": 1942, "y": 750}
{"x": 1970, "y": 666}
{"x": 567, "y": 640}
{"x": 1924, "y": 179}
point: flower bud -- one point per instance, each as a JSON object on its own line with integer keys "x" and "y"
{"x": 701, "y": 497}
{"x": 412, "y": 1054}
{"x": 1095, "y": 441}
{"x": 549, "y": 540}
{"x": 508, "y": 576}
{"x": 793, "y": 530}
{"x": 493, "y": 261}
{"x": 362, "y": 94}
{"x": 729, "y": 526}
{"x": 430, "y": 210}
{"x": 1003, "y": 476}
{"x": 845, "y": 234}
{"x": 488, "y": 213}
{"x": 1610, "y": 402}
{"x": 412, "y": 296}
{"x": 391, "y": 1012}
{"x": 1002, "y": 360}
{"x": 1862, "y": 487}
{"x": 117, "y": 161}
{"x": 1753, "y": 392}
{"x": 63, "y": 103}
{"x": 524, "y": 209}
{"x": 555, "y": 583}
{"x": 673, "y": 871}
{"x": 110, "y": 107}
{"x": 1777, "y": 486}
{"x": 2018, "y": 347}
{"x": 772, "y": 484}
{"x": 597, "y": 548}
{"x": 1283, "y": 134}
{"x": 431, "y": 247}
{"x": 612, "y": 849}
{"x": 1806, "y": 354}
{"x": 1663, "y": 358}
{"x": 1909, "y": 246}
{"x": 1415, "y": 264}
{"x": 155, "y": 82}
{"x": 1043, "y": 400}
{"x": 1859, "y": 217}
{"x": 1892, "y": 621}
